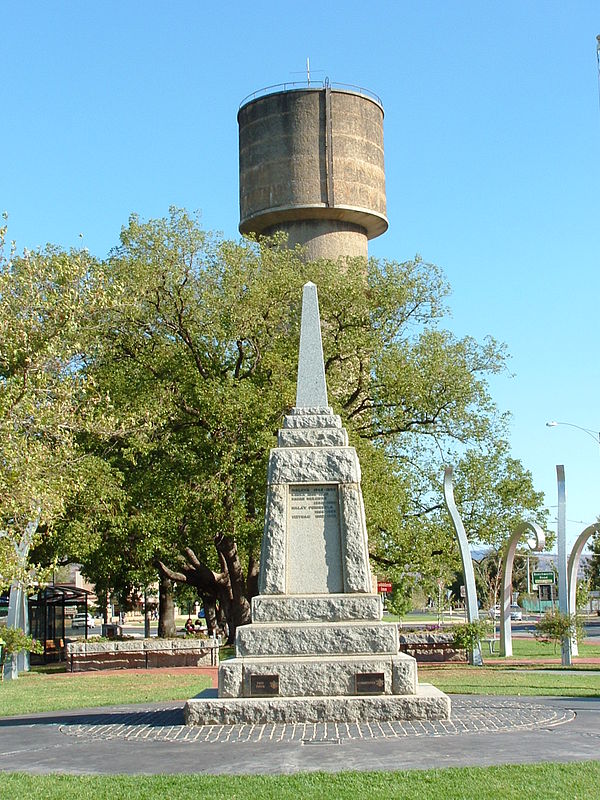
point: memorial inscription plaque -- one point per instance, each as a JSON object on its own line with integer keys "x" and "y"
{"x": 314, "y": 544}
{"x": 264, "y": 685}
{"x": 370, "y": 682}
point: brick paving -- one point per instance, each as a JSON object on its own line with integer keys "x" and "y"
{"x": 469, "y": 716}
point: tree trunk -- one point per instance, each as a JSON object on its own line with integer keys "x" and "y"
{"x": 224, "y": 625}
{"x": 104, "y": 603}
{"x": 239, "y": 612}
{"x": 210, "y": 614}
{"x": 252, "y": 577}
{"x": 166, "y": 609}
{"x": 146, "y": 615}
{"x": 227, "y": 588}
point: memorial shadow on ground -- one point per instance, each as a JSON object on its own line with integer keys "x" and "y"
{"x": 154, "y": 718}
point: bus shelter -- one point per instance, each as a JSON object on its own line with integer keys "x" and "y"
{"x": 50, "y": 612}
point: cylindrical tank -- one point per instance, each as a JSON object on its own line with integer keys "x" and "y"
{"x": 311, "y": 165}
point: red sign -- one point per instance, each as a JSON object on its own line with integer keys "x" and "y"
{"x": 383, "y": 587}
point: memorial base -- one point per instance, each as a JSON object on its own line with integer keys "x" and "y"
{"x": 311, "y": 659}
{"x": 428, "y": 703}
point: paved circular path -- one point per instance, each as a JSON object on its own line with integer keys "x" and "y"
{"x": 153, "y": 739}
{"x": 474, "y": 715}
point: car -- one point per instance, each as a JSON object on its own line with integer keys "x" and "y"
{"x": 516, "y": 613}
{"x": 78, "y": 621}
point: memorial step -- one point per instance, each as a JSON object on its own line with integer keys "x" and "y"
{"x": 320, "y": 638}
{"x": 318, "y": 676}
{"x": 317, "y": 608}
{"x": 428, "y": 703}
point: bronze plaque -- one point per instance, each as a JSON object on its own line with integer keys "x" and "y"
{"x": 370, "y": 682}
{"x": 264, "y": 685}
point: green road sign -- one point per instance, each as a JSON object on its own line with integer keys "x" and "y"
{"x": 542, "y": 578}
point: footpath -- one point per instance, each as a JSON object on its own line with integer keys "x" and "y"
{"x": 153, "y": 739}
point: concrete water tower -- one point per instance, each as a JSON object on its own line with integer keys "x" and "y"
{"x": 311, "y": 165}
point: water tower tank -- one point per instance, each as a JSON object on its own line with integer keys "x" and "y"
{"x": 311, "y": 165}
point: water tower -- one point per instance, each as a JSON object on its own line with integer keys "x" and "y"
{"x": 311, "y": 165}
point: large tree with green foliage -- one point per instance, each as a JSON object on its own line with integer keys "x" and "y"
{"x": 197, "y": 351}
{"x": 49, "y": 306}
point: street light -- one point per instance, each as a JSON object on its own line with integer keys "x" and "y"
{"x": 594, "y": 434}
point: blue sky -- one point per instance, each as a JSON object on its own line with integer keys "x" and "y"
{"x": 492, "y": 139}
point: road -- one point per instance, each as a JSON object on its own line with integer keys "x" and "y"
{"x": 524, "y": 628}
{"x": 527, "y": 628}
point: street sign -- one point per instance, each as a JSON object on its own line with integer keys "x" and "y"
{"x": 384, "y": 587}
{"x": 463, "y": 591}
{"x": 542, "y": 578}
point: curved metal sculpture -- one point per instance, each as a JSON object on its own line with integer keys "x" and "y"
{"x": 561, "y": 542}
{"x": 18, "y": 614}
{"x": 467, "y": 562}
{"x": 537, "y": 543}
{"x": 573, "y": 569}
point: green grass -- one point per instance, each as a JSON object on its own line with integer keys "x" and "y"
{"x": 500, "y": 680}
{"x": 38, "y": 691}
{"x": 534, "y": 782}
{"x": 48, "y": 689}
{"x": 530, "y": 648}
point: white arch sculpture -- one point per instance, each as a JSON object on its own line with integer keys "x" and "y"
{"x": 467, "y": 562}
{"x": 573, "y": 569}
{"x": 537, "y": 543}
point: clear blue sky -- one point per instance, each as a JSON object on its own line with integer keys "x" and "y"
{"x": 492, "y": 138}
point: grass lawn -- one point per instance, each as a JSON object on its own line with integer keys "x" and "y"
{"x": 501, "y": 677}
{"x": 51, "y": 690}
{"x": 499, "y": 680}
{"x": 535, "y": 782}
{"x": 530, "y": 648}
{"x": 37, "y": 691}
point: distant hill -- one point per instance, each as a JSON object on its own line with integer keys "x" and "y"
{"x": 545, "y": 561}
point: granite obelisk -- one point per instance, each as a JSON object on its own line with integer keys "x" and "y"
{"x": 317, "y": 649}
{"x": 311, "y": 388}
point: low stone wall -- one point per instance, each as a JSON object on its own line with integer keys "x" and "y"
{"x": 432, "y": 647}
{"x": 142, "y": 654}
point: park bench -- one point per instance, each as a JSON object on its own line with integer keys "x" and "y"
{"x": 431, "y": 647}
{"x": 491, "y": 641}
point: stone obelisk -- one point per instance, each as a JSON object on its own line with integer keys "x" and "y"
{"x": 317, "y": 649}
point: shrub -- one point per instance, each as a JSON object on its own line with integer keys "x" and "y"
{"x": 555, "y": 626}
{"x": 13, "y": 640}
{"x": 467, "y": 635}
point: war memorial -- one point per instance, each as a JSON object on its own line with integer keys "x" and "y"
{"x": 317, "y": 648}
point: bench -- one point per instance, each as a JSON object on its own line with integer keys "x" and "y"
{"x": 432, "y": 651}
{"x": 491, "y": 641}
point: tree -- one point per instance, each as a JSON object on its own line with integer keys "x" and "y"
{"x": 49, "y": 304}
{"x": 196, "y": 350}
{"x": 495, "y": 493}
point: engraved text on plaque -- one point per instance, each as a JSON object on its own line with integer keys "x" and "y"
{"x": 314, "y": 545}
{"x": 264, "y": 685}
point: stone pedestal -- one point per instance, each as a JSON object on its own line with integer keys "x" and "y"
{"x": 317, "y": 649}
{"x": 313, "y": 658}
